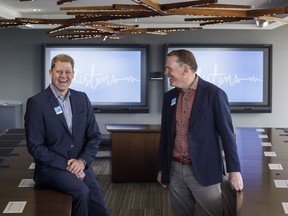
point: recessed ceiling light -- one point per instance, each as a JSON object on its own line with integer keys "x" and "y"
{"x": 36, "y": 10}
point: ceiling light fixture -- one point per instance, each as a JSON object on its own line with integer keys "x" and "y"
{"x": 100, "y": 21}
{"x": 65, "y": 1}
{"x": 274, "y": 19}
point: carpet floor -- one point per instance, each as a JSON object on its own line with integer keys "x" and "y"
{"x": 130, "y": 199}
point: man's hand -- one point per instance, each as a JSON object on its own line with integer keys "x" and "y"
{"x": 75, "y": 166}
{"x": 159, "y": 175}
{"x": 235, "y": 180}
{"x": 81, "y": 176}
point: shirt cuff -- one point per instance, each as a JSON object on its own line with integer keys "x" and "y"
{"x": 82, "y": 161}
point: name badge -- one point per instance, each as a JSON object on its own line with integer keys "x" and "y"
{"x": 58, "y": 110}
{"x": 173, "y": 101}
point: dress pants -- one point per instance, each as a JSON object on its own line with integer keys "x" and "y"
{"x": 188, "y": 197}
{"x": 87, "y": 195}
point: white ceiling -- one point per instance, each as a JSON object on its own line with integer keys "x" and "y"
{"x": 10, "y": 9}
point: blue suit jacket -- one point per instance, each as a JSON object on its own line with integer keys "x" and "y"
{"x": 49, "y": 140}
{"x": 210, "y": 131}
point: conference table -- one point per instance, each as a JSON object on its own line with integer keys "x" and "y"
{"x": 17, "y": 191}
{"x": 263, "y": 154}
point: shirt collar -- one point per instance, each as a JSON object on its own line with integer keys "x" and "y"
{"x": 57, "y": 93}
{"x": 193, "y": 86}
{"x": 194, "y": 83}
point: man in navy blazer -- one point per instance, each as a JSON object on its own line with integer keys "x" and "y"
{"x": 63, "y": 137}
{"x": 196, "y": 126}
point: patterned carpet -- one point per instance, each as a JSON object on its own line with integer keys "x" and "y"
{"x": 144, "y": 199}
{"x": 130, "y": 199}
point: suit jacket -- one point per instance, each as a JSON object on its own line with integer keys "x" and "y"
{"x": 49, "y": 140}
{"x": 210, "y": 131}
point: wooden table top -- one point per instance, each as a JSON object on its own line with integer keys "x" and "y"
{"x": 133, "y": 127}
{"x": 260, "y": 195}
{"x": 42, "y": 202}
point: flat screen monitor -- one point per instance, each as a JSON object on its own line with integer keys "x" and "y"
{"x": 244, "y": 72}
{"x": 113, "y": 76}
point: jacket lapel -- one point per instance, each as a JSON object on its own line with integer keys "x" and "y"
{"x": 55, "y": 105}
{"x": 198, "y": 101}
{"x": 173, "y": 101}
{"x": 74, "y": 109}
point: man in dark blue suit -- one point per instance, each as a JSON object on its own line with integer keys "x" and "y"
{"x": 196, "y": 126}
{"x": 63, "y": 137}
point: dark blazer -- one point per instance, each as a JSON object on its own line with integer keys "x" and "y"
{"x": 210, "y": 131}
{"x": 49, "y": 140}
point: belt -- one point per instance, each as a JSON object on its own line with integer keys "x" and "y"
{"x": 183, "y": 161}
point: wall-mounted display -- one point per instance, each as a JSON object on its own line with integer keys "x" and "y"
{"x": 243, "y": 71}
{"x": 113, "y": 76}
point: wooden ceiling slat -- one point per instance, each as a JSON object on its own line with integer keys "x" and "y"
{"x": 267, "y": 11}
{"x": 203, "y": 3}
{"x": 207, "y": 12}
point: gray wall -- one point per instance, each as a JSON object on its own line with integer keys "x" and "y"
{"x": 20, "y": 69}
